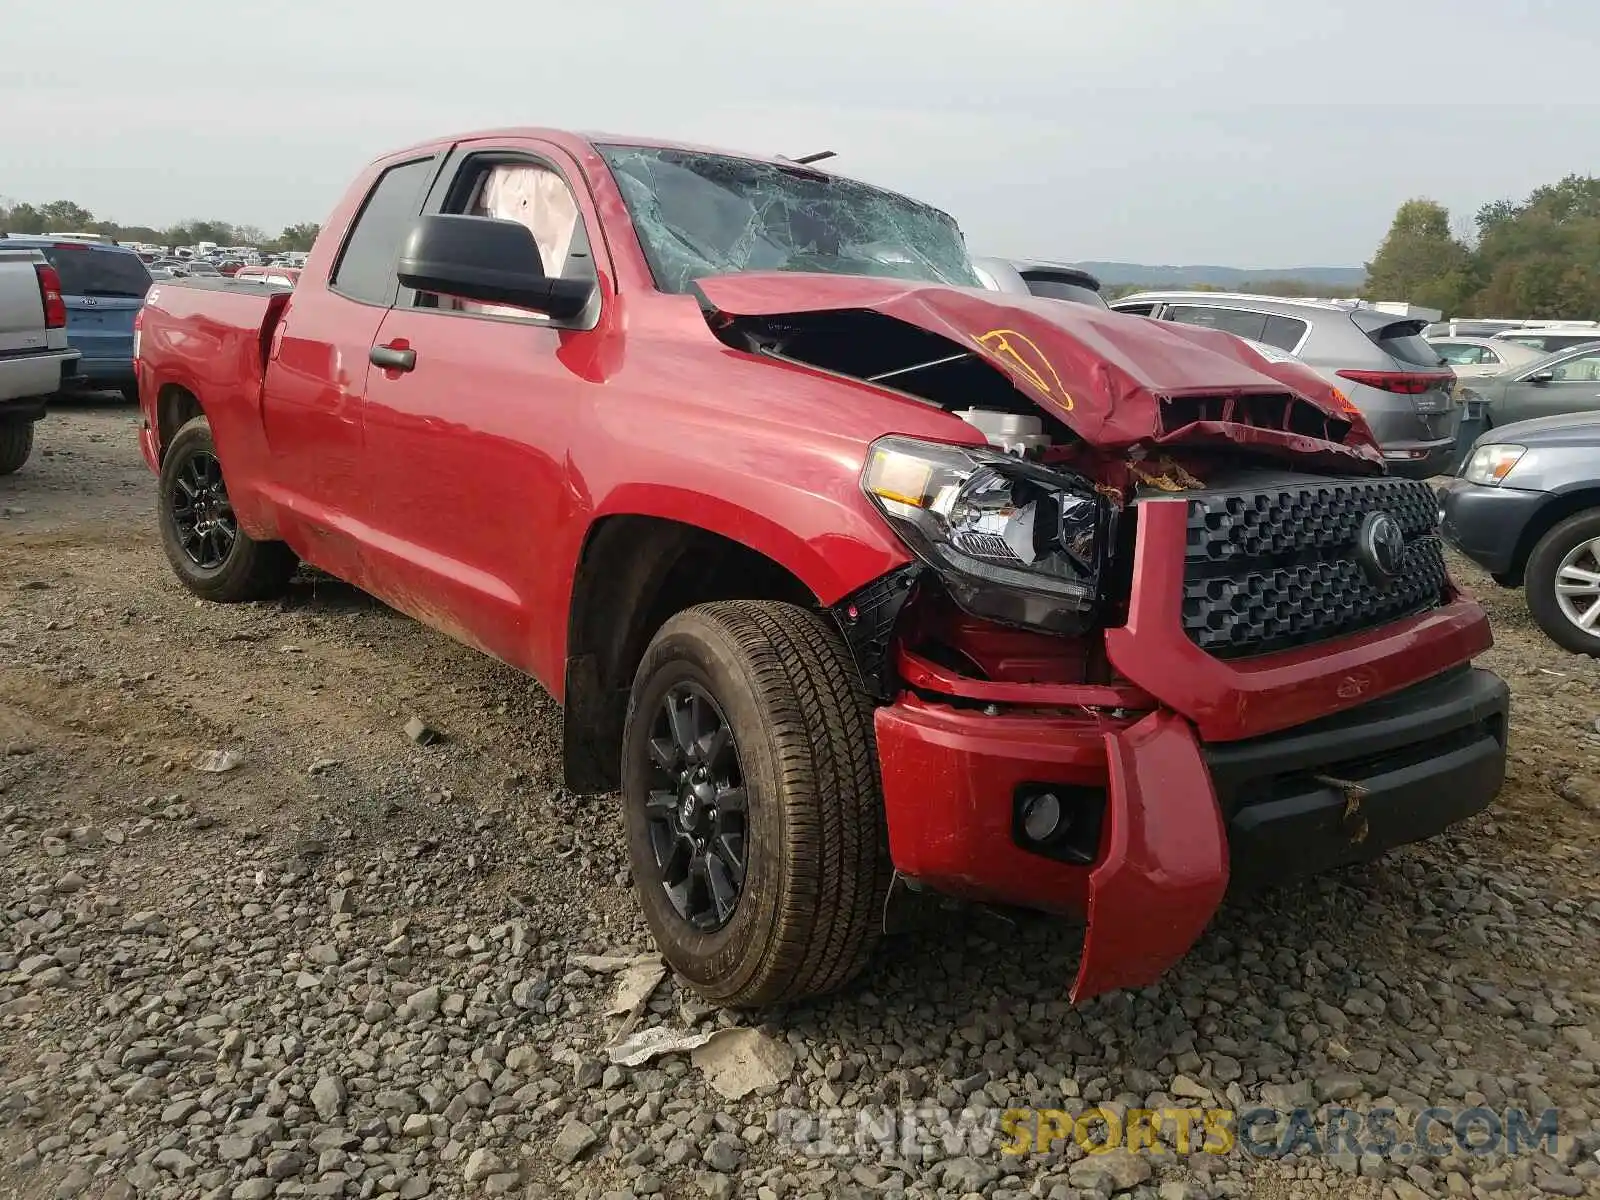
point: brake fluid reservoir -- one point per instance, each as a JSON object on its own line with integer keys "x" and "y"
{"x": 1013, "y": 433}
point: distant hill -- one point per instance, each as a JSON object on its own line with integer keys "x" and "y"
{"x": 1235, "y": 278}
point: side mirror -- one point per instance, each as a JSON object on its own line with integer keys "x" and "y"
{"x": 488, "y": 260}
{"x": 1545, "y": 376}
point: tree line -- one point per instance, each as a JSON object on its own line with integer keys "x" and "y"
{"x": 1534, "y": 259}
{"x": 64, "y": 216}
{"x": 1538, "y": 258}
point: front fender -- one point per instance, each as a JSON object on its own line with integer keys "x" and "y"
{"x": 833, "y": 544}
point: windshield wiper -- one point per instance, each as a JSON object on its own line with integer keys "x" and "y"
{"x": 108, "y": 292}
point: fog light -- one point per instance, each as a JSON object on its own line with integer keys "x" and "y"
{"x": 1041, "y": 817}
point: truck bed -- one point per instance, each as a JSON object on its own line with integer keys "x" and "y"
{"x": 224, "y": 324}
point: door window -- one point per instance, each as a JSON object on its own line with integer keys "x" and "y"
{"x": 1583, "y": 369}
{"x": 1459, "y": 354}
{"x": 535, "y": 196}
{"x": 365, "y": 270}
{"x": 1236, "y": 321}
{"x": 1284, "y": 332}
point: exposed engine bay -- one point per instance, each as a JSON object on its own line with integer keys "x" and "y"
{"x": 1035, "y": 532}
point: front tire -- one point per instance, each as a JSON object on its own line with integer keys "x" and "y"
{"x": 1562, "y": 583}
{"x": 752, "y": 804}
{"x": 210, "y": 554}
{"x": 16, "y": 443}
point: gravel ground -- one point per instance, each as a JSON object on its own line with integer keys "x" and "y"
{"x": 354, "y": 965}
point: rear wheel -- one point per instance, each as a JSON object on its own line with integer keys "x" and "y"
{"x": 753, "y": 810}
{"x": 16, "y": 443}
{"x": 1562, "y": 583}
{"x": 215, "y": 559}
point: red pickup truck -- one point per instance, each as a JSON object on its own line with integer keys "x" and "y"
{"x": 849, "y": 574}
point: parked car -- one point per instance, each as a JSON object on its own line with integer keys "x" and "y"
{"x": 1055, "y": 280}
{"x": 34, "y": 354}
{"x": 1564, "y": 382}
{"x": 284, "y": 276}
{"x": 1479, "y": 357}
{"x": 1526, "y": 507}
{"x": 199, "y": 266}
{"x": 1398, "y": 382}
{"x": 842, "y": 568}
{"x": 1550, "y": 340}
{"x": 103, "y": 286}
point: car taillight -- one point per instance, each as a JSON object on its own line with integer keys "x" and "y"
{"x": 138, "y": 329}
{"x": 1405, "y": 383}
{"x": 55, "y": 308}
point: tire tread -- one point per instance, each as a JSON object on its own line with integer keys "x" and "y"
{"x": 16, "y": 444}
{"x": 835, "y": 869}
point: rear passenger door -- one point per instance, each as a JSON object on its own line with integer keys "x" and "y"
{"x": 317, "y": 371}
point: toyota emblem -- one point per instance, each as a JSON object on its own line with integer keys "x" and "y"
{"x": 1381, "y": 547}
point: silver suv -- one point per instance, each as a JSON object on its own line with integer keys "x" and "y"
{"x": 1381, "y": 361}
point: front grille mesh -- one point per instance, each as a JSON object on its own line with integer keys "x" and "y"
{"x": 1274, "y": 566}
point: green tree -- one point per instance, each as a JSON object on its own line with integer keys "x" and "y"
{"x": 22, "y": 218}
{"x": 1421, "y": 261}
{"x": 63, "y": 216}
{"x": 298, "y": 237}
{"x": 1541, "y": 258}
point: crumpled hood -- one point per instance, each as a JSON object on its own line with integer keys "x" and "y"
{"x": 1104, "y": 374}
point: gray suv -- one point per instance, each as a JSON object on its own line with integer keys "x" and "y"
{"x": 1381, "y": 361}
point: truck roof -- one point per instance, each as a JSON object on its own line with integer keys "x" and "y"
{"x": 576, "y": 141}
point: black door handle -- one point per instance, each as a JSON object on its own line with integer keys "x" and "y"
{"x": 392, "y": 358}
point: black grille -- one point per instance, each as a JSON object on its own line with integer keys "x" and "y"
{"x": 1274, "y": 566}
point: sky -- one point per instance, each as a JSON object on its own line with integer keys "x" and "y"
{"x": 1237, "y": 132}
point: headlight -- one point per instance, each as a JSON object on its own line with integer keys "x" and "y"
{"x": 1013, "y": 541}
{"x": 1490, "y": 465}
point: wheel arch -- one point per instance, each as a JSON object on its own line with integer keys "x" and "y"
{"x": 1558, "y": 509}
{"x": 635, "y": 572}
{"x": 176, "y": 406}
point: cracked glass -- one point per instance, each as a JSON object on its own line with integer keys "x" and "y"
{"x": 701, "y": 214}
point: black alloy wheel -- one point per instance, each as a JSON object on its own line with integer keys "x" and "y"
{"x": 751, "y": 803}
{"x": 697, "y": 809}
{"x": 202, "y": 517}
{"x": 210, "y": 552}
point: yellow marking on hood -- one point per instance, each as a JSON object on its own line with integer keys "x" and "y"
{"x": 1005, "y": 343}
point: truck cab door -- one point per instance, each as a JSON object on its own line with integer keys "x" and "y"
{"x": 317, "y": 369}
{"x": 469, "y": 415}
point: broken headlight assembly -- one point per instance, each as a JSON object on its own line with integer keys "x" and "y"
{"x": 1012, "y": 541}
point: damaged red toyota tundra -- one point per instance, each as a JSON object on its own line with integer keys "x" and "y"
{"x": 849, "y": 574}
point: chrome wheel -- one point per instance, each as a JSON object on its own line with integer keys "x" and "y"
{"x": 1578, "y": 586}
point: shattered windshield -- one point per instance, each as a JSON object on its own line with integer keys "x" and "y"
{"x": 712, "y": 214}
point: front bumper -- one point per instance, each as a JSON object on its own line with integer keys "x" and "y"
{"x": 1350, "y": 787}
{"x": 1487, "y": 523}
{"x": 1181, "y": 817}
